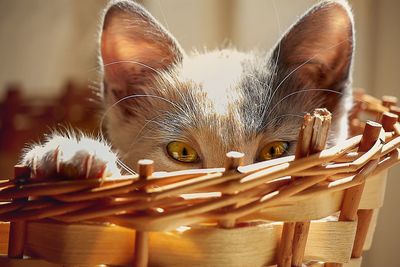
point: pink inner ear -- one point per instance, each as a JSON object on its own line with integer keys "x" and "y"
{"x": 134, "y": 47}
{"x": 123, "y": 60}
{"x": 324, "y": 38}
{"x": 117, "y": 48}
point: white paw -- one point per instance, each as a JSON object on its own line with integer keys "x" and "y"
{"x": 76, "y": 157}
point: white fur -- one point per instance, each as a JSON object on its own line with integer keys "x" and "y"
{"x": 215, "y": 121}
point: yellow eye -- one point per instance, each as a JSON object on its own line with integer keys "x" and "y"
{"x": 273, "y": 150}
{"x": 182, "y": 152}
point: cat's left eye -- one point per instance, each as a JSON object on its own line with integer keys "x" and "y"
{"x": 182, "y": 152}
{"x": 273, "y": 150}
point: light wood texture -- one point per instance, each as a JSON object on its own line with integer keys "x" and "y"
{"x": 352, "y": 196}
{"x": 364, "y": 221}
{"x": 289, "y": 247}
{"x": 7, "y": 262}
{"x": 352, "y": 263}
{"x": 306, "y": 207}
{"x": 371, "y": 230}
{"x": 249, "y": 185}
{"x": 81, "y": 244}
{"x": 365, "y": 215}
{"x": 186, "y": 209}
{"x": 299, "y": 242}
{"x": 142, "y": 249}
{"x": 16, "y": 242}
{"x": 285, "y": 251}
{"x": 233, "y": 160}
{"x": 309, "y": 205}
{"x": 322, "y": 240}
{"x": 142, "y": 238}
{"x": 4, "y": 234}
{"x": 317, "y": 143}
{"x": 88, "y": 244}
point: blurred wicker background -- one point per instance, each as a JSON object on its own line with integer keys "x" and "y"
{"x": 26, "y": 119}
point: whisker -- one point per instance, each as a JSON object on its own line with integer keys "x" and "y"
{"x": 281, "y": 116}
{"x": 302, "y": 91}
{"x": 152, "y": 120}
{"x": 125, "y": 61}
{"x": 127, "y": 98}
{"x": 257, "y": 80}
{"x": 125, "y": 167}
{"x": 301, "y": 65}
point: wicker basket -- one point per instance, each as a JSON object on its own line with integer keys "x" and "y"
{"x": 316, "y": 208}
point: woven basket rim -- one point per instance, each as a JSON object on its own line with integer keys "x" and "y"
{"x": 166, "y": 200}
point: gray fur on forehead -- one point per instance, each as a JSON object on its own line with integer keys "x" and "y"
{"x": 252, "y": 110}
{"x": 215, "y": 99}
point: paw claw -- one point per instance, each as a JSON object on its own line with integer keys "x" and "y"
{"x": 73, "y": 158}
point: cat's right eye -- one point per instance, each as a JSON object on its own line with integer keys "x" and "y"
{"x": 273, "y": 150}
{"x": 182, "y": 152}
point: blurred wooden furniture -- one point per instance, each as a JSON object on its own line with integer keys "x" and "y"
{"x": 26, "y": 119}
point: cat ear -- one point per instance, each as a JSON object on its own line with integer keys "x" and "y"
{"x": 317, "y": 51}
{"x": 134, "y": 48}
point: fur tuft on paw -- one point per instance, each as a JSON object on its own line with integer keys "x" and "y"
{"x": 71, "y": 156}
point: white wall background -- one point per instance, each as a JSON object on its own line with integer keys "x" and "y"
{"x": 44, "y": 42}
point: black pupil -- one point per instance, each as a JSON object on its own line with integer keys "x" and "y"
{"x": 184, "y": 152}
{"x": 272, "y": 150}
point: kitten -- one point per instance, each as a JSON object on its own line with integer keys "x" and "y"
{"x": 186, "y": 111}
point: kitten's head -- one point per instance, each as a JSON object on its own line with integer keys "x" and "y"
{"x": 170, "y": 107}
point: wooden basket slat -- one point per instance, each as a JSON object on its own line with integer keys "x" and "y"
{"x": 352, "y": 263}
{"x": 303, "y": 207}
{"x": 7, "y": 262}
{"x": 166, "y": 201}
{"x": 371, "y": 230}
{"x": 42, "y": 263}
{"x": 88, "y": 244}
{"x": 393, "y": 160}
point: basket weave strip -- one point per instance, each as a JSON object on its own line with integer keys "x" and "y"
{"x": 194, "y": 196}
